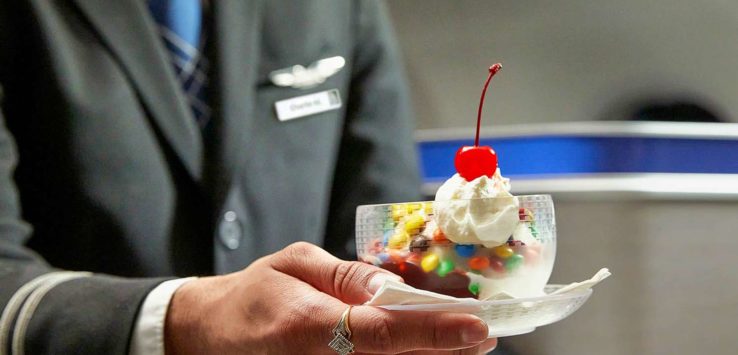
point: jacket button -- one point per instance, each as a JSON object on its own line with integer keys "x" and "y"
{"x": 229, "y": 231}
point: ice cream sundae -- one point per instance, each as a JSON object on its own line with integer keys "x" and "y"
{"x": 474, "y": 240}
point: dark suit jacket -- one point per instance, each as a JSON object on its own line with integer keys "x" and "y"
{"x": 113, "y": 175}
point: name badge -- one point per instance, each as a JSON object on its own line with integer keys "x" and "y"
{"x": 307, "y": 105}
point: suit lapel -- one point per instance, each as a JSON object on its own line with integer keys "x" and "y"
{"x": 130, "y": 33}
{"x": 236, "y": 38}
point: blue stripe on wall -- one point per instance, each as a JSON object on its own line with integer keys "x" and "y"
{"x": 547, "y": 155}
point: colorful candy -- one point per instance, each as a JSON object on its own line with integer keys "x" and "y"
{"x": 399, "y": 240}
{"x": 439, "y": 237}
{"x": 478, "y": 263}
{"x": 445, "y": 267}
{"x": 464, "y": 250}
{"x": 503, "y": 251}
{"x": 474, "y": 288}
{"x": 514, "y": 262}
{"x": 429, "y": 262}
{"x": 414, "y": 223}
{"x": 428, "y": 208}
{"x": 429, "y": 258}
{"x": 400, "y": 210}
{"x": 525, "y": 215}
{"x": 497, "y": 265}
{"x": 419, "y": 244}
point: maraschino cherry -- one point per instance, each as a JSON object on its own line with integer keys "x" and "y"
{"x": 472, "y": 162}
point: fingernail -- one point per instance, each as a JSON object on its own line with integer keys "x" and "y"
{"x": 475, "y": 333}
{"x": 379, "y": 279}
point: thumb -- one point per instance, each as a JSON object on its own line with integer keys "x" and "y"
{"x": 349, "y": 281}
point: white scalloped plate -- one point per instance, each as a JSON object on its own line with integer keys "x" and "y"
{"x": 512, "y": 316}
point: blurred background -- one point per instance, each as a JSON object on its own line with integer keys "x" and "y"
{"x": 567, "y": 60}
{"x": 624, "y": 111}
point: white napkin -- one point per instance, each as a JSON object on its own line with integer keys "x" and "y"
{"x": 397, "y": 293}
{"x": 584, "y": 285}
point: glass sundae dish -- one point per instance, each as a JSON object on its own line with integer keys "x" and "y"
{"x": 405, "y": 238}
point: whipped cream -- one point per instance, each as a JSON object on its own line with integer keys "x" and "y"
{"x": 481, "y": 211}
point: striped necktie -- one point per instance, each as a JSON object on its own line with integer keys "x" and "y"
{"x": 181, "y": 28}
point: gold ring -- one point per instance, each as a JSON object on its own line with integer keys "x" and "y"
{"x": 341, "y": 342}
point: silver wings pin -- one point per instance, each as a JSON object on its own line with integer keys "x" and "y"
{"x": 299, "y": 77}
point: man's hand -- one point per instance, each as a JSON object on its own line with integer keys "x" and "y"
{"x": 288, "y": 303}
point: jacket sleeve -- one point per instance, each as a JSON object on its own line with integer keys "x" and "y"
{"x": 52, "y": 311}
{"x": 59, "y": 312}
{"x": 377, "y": 160}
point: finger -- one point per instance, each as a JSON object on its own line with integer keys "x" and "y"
{"x": 376, "y": 330}
{"x": 488, "y": 345}
{"x": 350, "y": 282}
{"x": 483, "y": 348}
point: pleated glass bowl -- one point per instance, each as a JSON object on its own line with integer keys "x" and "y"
{"x": 404, "y": 238}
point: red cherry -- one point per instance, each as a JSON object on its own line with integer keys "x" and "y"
{"x": 473, "y": 162}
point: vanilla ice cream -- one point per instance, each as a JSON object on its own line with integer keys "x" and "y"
{"x": 481, "y": 211}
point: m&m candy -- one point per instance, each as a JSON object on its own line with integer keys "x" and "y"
{"x": 429, "y": 262}
{"x": 514, "y": 262}
{"x": 497, "y": 265}
{"x": 413, "y": 223}
{"x": 428, "y": 208}
{"x": 464, "y": 250}
{"x": 478, "y": 263}
{"x": 398, "y": 240}
{"x": 503, "y": 251}
{"x": 474, "y": 288}
{"x": 398, "y": 211}
{"x": 419, "y": 244}
{"x": 439, "y": 237}
{"x": 445, "y": 267}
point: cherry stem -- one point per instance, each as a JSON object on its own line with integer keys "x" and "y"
{"x": 492, "y": 71}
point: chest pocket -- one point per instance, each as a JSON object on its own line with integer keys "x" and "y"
{"x": 301, "y": 33}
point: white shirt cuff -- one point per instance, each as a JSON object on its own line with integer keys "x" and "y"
{"x": 148, "y": 333}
